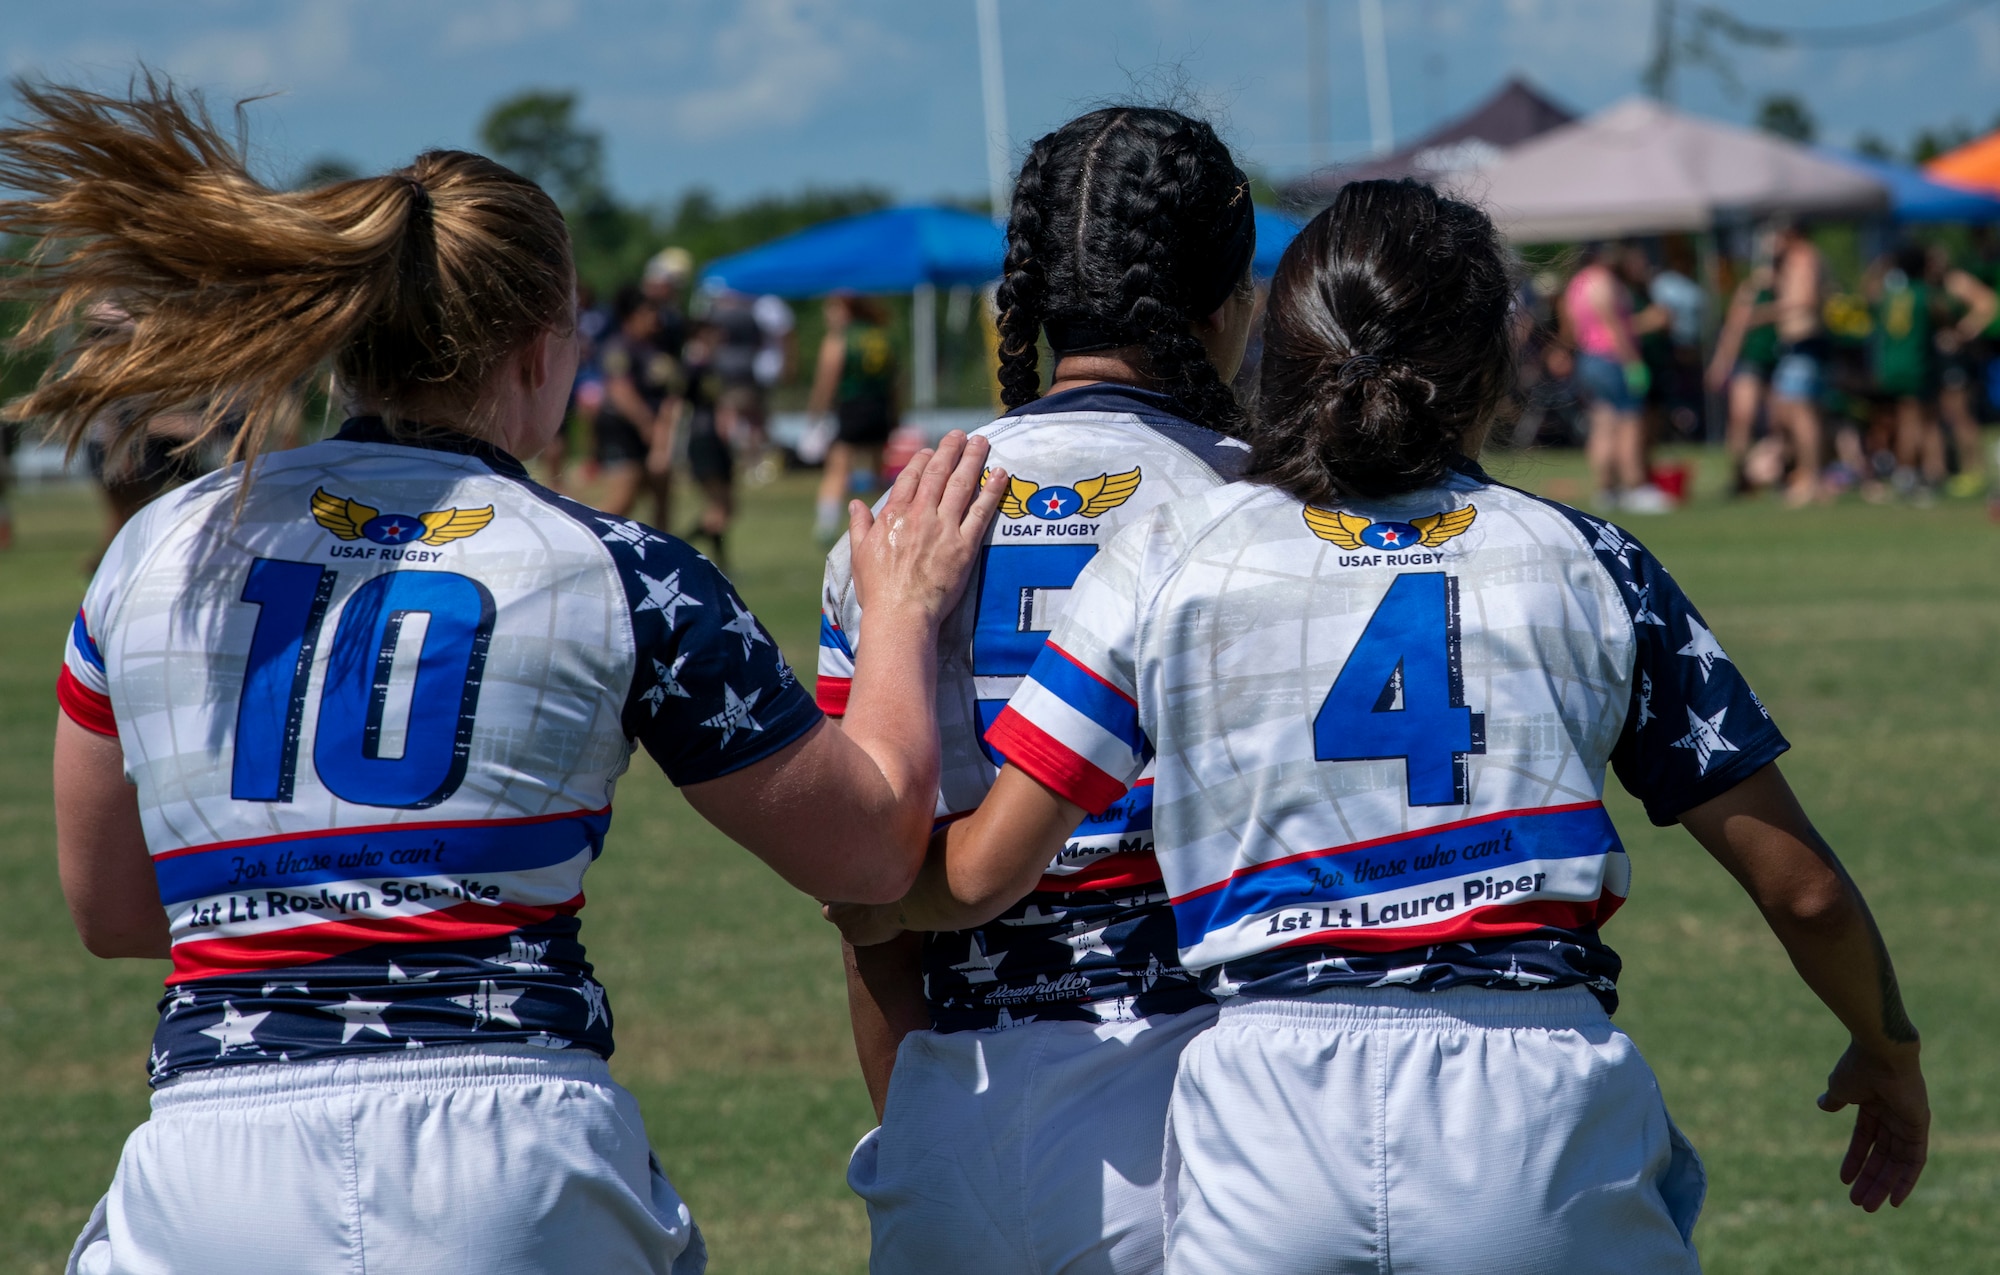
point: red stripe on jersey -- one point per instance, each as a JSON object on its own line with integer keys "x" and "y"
{"x": 378, "y": 829}
{"x": 282, "y": 949}
{"x": 1052, "y": 763}
{"x": 830, "y": 693}
{"x": 1498, "y": 921}
{"x": 87, "y": 708}
{"x": 1112, "y": 872}
{"x": 1372, "y": 842}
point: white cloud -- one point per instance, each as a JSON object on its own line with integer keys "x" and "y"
{"x": 776, "y": 63}
{"x": 312, "y": 45}
{"x": 501, "y": 22}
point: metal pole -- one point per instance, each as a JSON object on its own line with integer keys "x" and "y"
{"x": 993, "y": 83}
{"x": 924, "y": 346}
{"x": 1375, "y": 54}
{"x": 1319, "y": 105}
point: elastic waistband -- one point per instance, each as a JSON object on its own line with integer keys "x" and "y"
{"x": 1550, "y": 1009}
{"x": 442, "y": 1067}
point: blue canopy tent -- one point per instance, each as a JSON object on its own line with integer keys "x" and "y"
{"x": 915, "y": 249}
{"x": 1275, "y": 232}
{"x": 1915, "y": 198}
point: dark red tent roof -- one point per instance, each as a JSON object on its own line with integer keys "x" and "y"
{"x": 1516, "y": 112}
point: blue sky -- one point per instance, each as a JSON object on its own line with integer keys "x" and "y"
{"x": 747, "y": 96}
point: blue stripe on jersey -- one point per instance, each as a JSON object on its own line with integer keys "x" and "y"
{"x": 833, "y": 638}
{"x": 392, "y": 851}
{"x": 86, "y": 645}
{"x": 1415, "y": 859}
{"x": 1131, "y": 813}
{"x": 1059, "y": 673}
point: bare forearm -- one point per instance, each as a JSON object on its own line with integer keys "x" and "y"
{"x": 885, "y": 1002}
{"x": 891, "y": 715}
{"x": 1841, "y": 956}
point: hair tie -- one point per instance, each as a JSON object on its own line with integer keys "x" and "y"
{"x": 1361, "y": 367}
{"x": 420, "y": 198}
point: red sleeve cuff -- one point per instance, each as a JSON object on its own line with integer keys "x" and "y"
{"x": 87, "y": 708}
{"x": 1045, "y": 760}
{"x": 831, "y": 694}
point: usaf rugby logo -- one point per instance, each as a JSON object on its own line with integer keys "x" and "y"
{"x": 1352, "y": 532}
{"x": 1090, "y": 497}
{"x": 351, "y": 520}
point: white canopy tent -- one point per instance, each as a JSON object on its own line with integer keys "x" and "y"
{"x": 1641, "y": 168}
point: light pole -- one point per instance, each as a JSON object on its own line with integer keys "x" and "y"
{"x": 1375, "y": 55}
{"x": 993, "y": 82}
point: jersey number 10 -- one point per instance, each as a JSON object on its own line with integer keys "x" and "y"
{"x": 292, "y": 599}
{"x": 1402, "y": 693}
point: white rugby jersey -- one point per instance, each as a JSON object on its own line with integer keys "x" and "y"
{"x": 1096, "y": 940}
{"x": 1382, "y": 728}
{"x": 375, "y": 718}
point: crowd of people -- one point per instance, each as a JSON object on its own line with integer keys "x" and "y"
{"x": 1877, "y": 389}
{"x": 1214, "y": 816}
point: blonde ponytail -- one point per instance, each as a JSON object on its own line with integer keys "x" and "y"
{"x": 413, "y": 286}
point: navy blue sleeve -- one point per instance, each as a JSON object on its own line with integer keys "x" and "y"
{"x": 711, "y": 692}
{"x": 1694, "y": 729}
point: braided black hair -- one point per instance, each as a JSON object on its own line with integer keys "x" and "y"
{"x": 1388, "y": 345}
{"x": 1128, "y": 224}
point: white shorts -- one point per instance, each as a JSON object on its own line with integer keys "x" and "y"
{"x": 1389, "y": 1130}
{"x": 500, "y": 1160}
{"x": 1035, "y": 1150}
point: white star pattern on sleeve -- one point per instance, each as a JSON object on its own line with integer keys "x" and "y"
{"x": 489, "y": 1004}
{"x": 593, "y": 1001}
{"x": 1646, "y": 713}
{"x": 744, "y": 625}
{"x": 628, "y": 534}
{"x": 236, "y": 1031}
{"x": 1320, "y": 965}
{"x": 665, "y": 596}
{"x": 1087, "y": 944}
{"x": 1702, "y": 646}
{"x": 1612, "y": 541}
{"x": 978, "y": 966}
{"x": 735, "y": 714}
{"x": 669, "y": 684}
{"x": 1705, "y": 738}
{"x": 360, "y": 1016}
{"x": 1642, "y": 605}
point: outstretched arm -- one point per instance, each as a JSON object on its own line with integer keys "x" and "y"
{"x": 977, "y": 868}
{"x": 845, "y": 813}
{"x": 1758, "y": 831}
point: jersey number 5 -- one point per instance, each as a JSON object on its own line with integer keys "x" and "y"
{"x": 348, "y": 754}
{"x": 1021, "y": 588}
{"x": 1402, "y": 693}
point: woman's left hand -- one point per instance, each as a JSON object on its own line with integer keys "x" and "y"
{"x": 916, "y": 555}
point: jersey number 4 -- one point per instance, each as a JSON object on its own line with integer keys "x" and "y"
{"x": 456, "y": 614}
{"x": 1402, "y": 693}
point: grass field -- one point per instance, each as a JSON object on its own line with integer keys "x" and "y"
{"x": 1872, "y": 633}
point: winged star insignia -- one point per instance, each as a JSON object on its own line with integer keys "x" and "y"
{"x": 349, "y": 519}
{"x": 1350, "y": 531}
{"x": 1090, "y": 497}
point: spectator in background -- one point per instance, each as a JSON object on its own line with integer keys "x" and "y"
{"x": 1905, "y": 367}
{"x": 664, "y": 283}
{"x": 635, "y": 427}
{"x": 1961, "y": 362}
{"x": 1799, "y": 378}
{"x": 1675, "y": 367}
{"x": 754, "y": 350}
{"x": 1746, "y": 350}
{"x": 711, "y": 462}
{"x": 586, "y": 397}
{"x": 855, "y": 379}
{"x": 1597, "y": 310}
